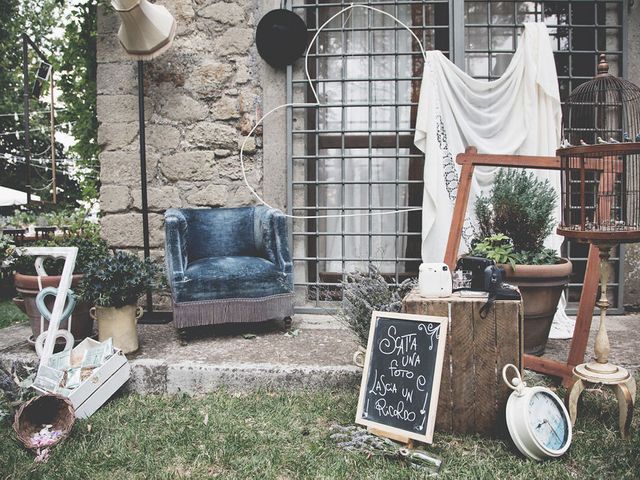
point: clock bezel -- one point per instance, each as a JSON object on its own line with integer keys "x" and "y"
{"x": 520, "y": 426}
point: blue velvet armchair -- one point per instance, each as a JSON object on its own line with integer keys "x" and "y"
{"x": 228, "y": 265}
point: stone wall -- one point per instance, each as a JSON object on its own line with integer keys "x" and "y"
{"x": 201, "y": 97}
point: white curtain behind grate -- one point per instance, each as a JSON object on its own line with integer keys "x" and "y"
{"x": 363, "y": 241}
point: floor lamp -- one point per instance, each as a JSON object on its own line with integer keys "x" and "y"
{"x": 147, "y": 31}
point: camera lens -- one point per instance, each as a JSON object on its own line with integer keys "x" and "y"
{"x": 445, "y": 268}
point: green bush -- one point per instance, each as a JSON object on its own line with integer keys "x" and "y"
{"x": 520, "y": 208}
{"x": 117, "y": 280}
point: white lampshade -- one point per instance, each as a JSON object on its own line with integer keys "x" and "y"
{"x": 147, "y": 29}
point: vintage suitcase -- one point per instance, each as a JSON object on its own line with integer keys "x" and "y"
{"x": 473, "y": 395}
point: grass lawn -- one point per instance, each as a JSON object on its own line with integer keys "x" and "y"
{"x": 10, "y": 314}
{"x": 286, "y": 436}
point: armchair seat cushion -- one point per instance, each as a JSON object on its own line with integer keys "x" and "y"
{"x": 214, "y": 278}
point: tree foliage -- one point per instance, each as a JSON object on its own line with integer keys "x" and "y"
{"x": 65, "y": 31}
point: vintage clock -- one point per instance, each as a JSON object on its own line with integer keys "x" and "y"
{"x": 537, "y": 419}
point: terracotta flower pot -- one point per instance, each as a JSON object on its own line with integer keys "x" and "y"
{"x": 120, "y": 324}
{"x": 28, "y": 287}
{"x": 541, "y": 287}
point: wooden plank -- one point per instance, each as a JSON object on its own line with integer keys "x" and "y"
{"x": 520, "y": 161}
{"x": 548, "y": 366}
{"x": 462, "y": 375}
{"x": 484, "y": 354}
{"x": 459, "y": 213}
{"x": 585, "y": 309}
{"x": 509, "y": 345}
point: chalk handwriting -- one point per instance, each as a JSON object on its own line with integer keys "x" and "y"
{"x": 431, "y": 330}
{"x": 398, "y": 411}
{"x": 394, "y": 344}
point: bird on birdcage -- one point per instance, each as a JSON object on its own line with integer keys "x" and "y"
{"x": 638, "y": 137}
{"x": 582, "y": 142}
{"x": 613, "y": 140}
{"x": 626, "y": 137}
{"x": 565, "y": 144}
{"x": 601, "y": 141}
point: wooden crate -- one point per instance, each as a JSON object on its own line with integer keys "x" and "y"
{"x": 473, "y": 395}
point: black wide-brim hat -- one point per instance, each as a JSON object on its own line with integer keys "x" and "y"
{"x": 281, "y": 37}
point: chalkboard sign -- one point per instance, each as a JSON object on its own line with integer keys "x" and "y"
{"x": 401, "y": 377}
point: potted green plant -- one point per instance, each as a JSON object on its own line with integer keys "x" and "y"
{"x": 28, "y": 283}
{"x": 113, "y": 284}
{"x": 514, "y": 221}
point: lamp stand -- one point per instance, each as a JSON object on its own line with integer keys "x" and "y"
{"x": 600, "y": 371}
{"x": 149, "y": 316}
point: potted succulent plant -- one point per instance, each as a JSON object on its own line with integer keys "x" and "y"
{"x": 113, "y": 284}
{"x": 28, "y": 283}
{"x": 514, "y": 221}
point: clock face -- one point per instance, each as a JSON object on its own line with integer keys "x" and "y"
{"x": 547, "y": 421}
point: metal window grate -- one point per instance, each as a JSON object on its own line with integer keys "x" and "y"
{"x": 355, "y": 153}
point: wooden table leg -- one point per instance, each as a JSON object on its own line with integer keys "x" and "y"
{"x": 625, "y": 404}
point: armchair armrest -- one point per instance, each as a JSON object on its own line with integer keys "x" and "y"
{"x": 175, "y": 244}
{"x": 272, "y": 238}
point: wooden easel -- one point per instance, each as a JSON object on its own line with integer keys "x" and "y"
{"x": 468, "y": 161}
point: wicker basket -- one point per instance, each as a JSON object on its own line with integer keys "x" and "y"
{"x": 48, "y": 409}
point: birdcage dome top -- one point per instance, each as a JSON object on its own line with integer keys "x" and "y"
{"x": 604, "y": 108}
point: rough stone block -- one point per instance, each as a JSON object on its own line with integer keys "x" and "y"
{"x": 226, "y": 108}
{"x": 210, "y": 134}
{"x": 158, "y": 198}
{"x": 114, "y": 198}
{"x": 210, "y": 196}
{"x": 123, "y": 168}
{"x": 108, "y": 21}
{"x": 117, "y": 78}
{"x": 189, "y": 166}
{"x": 182, "y": 107}
{"x": 125, "y": 230}
{"x": 120, "y": 108}
{"x": 226, "y": 13}
{"x": 162, "y": 137}
{"x": 210, "y": 78}
{"x": 117, "y": 136}
{"x": 108, "y": 49}
{"x": 235, "y": 40}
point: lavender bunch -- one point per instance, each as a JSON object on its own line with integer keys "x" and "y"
{"x": 364, "y": 292}
{"x": 356, "y": 439}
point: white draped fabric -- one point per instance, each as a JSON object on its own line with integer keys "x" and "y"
{"x": 519, "y": 113}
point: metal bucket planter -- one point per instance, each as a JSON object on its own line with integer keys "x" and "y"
{"x": 120, "y": 324}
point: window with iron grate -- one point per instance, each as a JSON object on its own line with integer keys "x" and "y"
{"x": 355, "y": 154}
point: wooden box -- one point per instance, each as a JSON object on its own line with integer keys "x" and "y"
{"x": 92, "y": 393}
{"x": 473, "y": 395}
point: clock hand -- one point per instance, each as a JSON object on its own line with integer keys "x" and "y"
{"x": 553, "y": 430}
